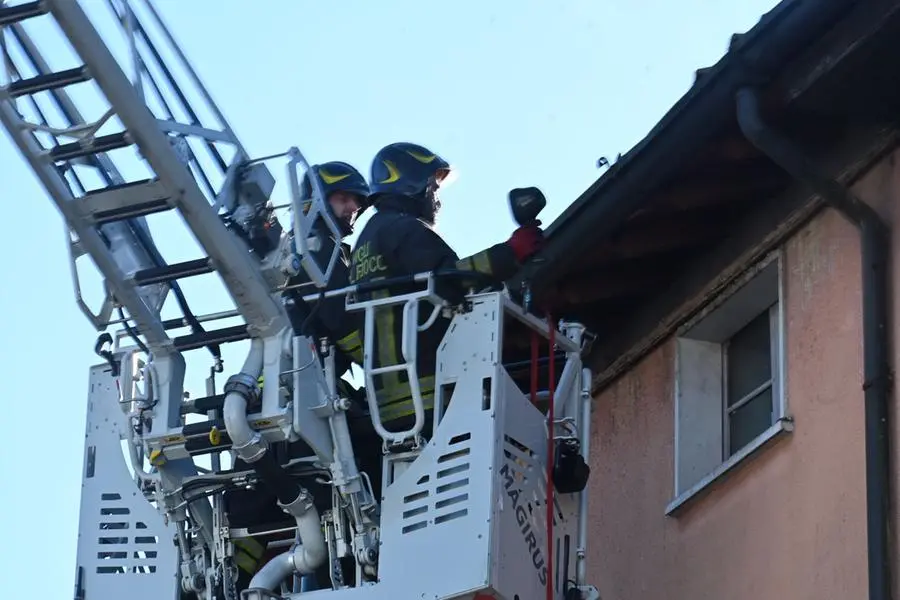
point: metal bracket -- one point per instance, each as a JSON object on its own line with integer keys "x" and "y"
{"x": 587, "y": 592}
{"x": 304, "y": 220}
{"x": 101, "y": 319}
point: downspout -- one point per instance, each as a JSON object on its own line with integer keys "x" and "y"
{"x": 312, "y": 551}
{"x": 875, "y": 249}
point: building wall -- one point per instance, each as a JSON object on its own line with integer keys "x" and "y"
{"x": 788, "y": 522}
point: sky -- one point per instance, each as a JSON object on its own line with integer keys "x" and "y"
{"x": 512, "y": 93}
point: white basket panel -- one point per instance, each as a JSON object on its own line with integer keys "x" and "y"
{"x": 125, "y": 548}
{"x": 436, "y": 515}
{"x": 520, "y": 565}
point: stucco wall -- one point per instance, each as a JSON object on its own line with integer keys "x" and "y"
{"x": 789, "y": 522}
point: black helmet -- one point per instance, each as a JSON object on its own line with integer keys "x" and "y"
{"x": 337, "y": 176}
{"x": 406, "y": 169}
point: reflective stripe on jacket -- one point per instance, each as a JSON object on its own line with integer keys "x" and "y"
{"x": 394, "y": 243}
{"x": 247, "y": 554}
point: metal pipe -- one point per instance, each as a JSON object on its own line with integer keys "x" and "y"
{"x": 137, "y": 463}
{"x": 303, "y": 558}
{"x": 564, "y": 387}
{"x": 307, "y": 556}
{"x": 181, "y": 322}
{"x": 347, "y": 477}
{"x": 584, "y": 429}
{"x": 248, "y": 444}
{"x": 875, "y": 250}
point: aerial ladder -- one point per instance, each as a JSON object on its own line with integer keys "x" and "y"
{"x": 491, "y": 503}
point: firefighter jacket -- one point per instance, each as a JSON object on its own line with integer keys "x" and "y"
{"x": 326, "y": 317}
{"x": 395, "y": 243}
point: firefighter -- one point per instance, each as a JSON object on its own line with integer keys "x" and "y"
{"x": 346, "y": 192}
{"x": 400, "y": 239}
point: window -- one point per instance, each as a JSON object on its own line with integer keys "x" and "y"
{"x": 729, "y": 372}
{"x": 748, "y": 358}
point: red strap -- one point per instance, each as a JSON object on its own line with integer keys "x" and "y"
{"x": 551, "y": 388}
{"x": 535, "y": 354}
{"x": 551, "y": 385}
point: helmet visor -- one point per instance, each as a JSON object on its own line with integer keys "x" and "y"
{"x": 445, "y": 176}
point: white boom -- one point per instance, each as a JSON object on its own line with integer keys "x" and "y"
{"x": 461, "y": 514}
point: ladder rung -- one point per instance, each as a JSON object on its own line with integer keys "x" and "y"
{"x": 168, "y": 273}
{"x": 14, "y": 14}
{"x": 104, "y": 143}
{"x": 125, "y": 201}
{"x": 192, "y": 341}
{"x": 48, "y": 81}
{"x": 203, "y": 405}
{"x": 390, "y": 369}
{"x": 523, "y": 365}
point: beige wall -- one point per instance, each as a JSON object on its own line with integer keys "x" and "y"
{"x": 790, "y": 521}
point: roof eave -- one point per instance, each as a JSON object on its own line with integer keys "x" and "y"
{"x": 697, "y": 117}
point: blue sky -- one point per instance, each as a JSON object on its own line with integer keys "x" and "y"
{"x": 512, "y": 93}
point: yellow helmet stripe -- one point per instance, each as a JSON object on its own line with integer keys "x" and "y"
{"x": 329, "y": 178}
{"x": 422, "y": 158}
{"x": 393, "y": 173}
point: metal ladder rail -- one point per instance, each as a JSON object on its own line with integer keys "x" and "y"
{"x": 63, "y": 103}
{"x": 134, "y": 30}
{"x": 105, "y": 168}
{"x": 234, "y": 264}
{"x": 89, "y": 238}
{"x": 53, "y": 179}
{"x": 241, "y": 275}
{"x": 102, "y": 163}
{"x": 68, "y": 110}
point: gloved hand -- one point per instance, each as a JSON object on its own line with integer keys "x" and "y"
{"x": 526, "y": 241}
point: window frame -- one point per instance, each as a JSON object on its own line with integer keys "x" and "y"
{"x": 720, "y": 308}
{"x": 776, "y": 362}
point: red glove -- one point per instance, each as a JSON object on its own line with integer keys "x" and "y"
{"x": 526, "y": 241}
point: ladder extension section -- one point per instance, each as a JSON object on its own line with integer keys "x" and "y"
{"x": 104, "y": 202}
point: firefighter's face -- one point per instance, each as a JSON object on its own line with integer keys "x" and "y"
{"x": 432, "y": 197}
{"x": 345, "y": 206}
